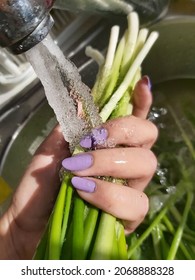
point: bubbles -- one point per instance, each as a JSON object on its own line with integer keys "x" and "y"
{"x": 111, "y": 143}
{"x": 162, "y": 175}
{"x": 171, "y": 189}
{"x": 157, "y": 202}
{"x": 20, "y": 47}
{"x": 156, "y": 113}
{"x": 129, "y": 132}
{"x": 161, "y": 125}
{"x": 64, "y": 90}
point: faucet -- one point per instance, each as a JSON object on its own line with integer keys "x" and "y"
{"x": 24, "y": 23}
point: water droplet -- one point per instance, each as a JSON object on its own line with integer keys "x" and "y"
{"x": 156, "y": 113}
{"x": 162, "y": 174}
{"x": 111, "y": 143}
{"x": 171, "y": 189}
{"x": 20, "y": 47}
{"x": 63, "y": 86}
{"x": 161, "y": 125}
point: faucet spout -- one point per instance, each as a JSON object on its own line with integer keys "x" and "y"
{"x": 24, "y": 23}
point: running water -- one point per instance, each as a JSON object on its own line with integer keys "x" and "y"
{"x": 66, "y": 94}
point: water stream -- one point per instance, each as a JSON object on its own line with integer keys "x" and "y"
{"x": 66, "y": 94}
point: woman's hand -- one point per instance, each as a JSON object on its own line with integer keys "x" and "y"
{"x": 22, "y": 226}
{"x": 123, "y": 151}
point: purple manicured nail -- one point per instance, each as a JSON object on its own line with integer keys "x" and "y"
{"x": 146, "y": 81}
{"x": 78, "y": 162}
{"x": 83, "y": 184}
{"x": 98, "y": 136}
{"x": 86, "y": 142}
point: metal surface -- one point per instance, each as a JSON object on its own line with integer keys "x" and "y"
{"x": 32, "y": 39}
{"x": 19, "y": 18}
{"x": 148, "y": 10}
{"x": 173, "y": 54}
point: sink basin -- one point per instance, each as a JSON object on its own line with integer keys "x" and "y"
{"x": 172, "y": 56}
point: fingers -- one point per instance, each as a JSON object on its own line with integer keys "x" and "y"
{"x": 125, "y": 203}
{"x": 142, "y": 98}
{"x": 129, "y": 159}
{"x": 128, "y": 131}
{"x": 131, "y": 131}
{"x": 137, "y": 164}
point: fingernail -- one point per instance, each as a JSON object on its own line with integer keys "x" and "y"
{"x": 78, "y": 162}
{"x": 146, "y": 81}
{"x": 86, "y": 142}
{"x": 98, "y": 136}
{"x": 83, "y": 184}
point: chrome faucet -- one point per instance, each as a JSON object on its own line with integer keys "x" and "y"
{"x": 24, "y": 23}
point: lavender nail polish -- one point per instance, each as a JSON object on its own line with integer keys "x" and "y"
{"x": 146, "y": 80}
{"x": 83, "y": 184}
{"x": 78, "y": 162}
{"x": 98, "y": 136}
{"x": 86, "y": 142}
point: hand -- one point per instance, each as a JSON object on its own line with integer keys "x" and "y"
{"x": 123, "y": 152}
{"x": 22, "y": 225}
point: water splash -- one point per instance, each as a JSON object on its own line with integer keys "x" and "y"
{"x": 66, "y": 94}
{"x": 162, "y": 175}
{"x": 156, "y": 113}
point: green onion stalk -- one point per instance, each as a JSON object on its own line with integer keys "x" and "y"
{"x": 76, "y": 229}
